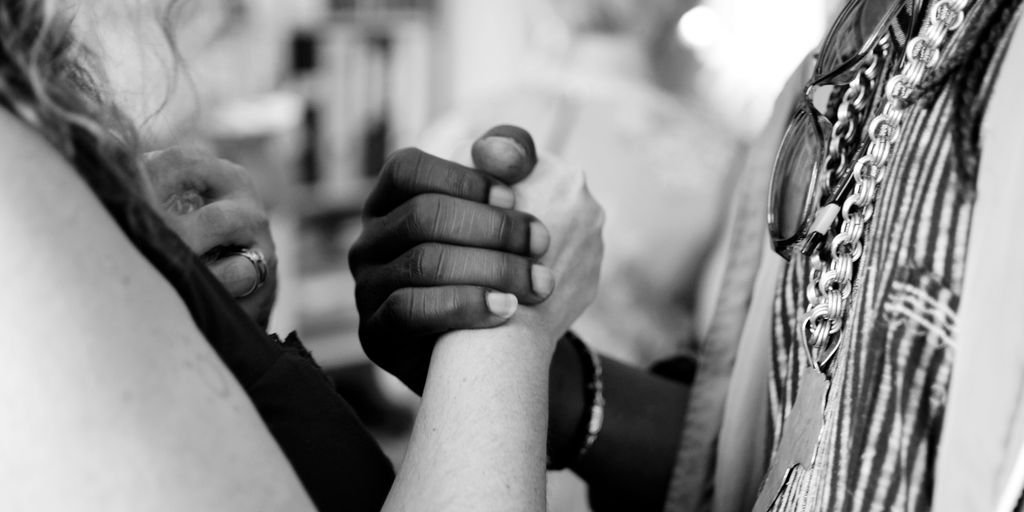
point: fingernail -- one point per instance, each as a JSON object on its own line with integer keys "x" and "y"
{"x": 516, "y": 135}
{"x": 539, "y": 239}
{"x": 502, "y": 156}
{"x": 501, "y": 197}
{"x": 502, "y": 304}
{"x": 543, "y": 280}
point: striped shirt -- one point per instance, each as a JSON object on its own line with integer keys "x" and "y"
{"x": 884, "y": 410}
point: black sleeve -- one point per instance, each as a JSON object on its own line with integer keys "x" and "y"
{"x": 681, "y": 369}
{"x": 336, "y": 459}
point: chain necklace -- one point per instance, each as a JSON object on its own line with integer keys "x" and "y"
{"x": 855, "y": 99}
{"x": 832, "y": 282}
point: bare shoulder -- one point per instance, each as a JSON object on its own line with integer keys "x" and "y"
{"x": 120, "y": 403}
{"x": 62, "y": 247}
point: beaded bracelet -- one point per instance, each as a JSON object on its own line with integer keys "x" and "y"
{"x": 593, "y": 419}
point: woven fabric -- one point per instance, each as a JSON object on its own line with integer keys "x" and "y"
{"x": 885, "y": 407}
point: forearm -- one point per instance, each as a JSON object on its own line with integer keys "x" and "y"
{"x": 632, "y": 460}
{"x": 478, "y": 442}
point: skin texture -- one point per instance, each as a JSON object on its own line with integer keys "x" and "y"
{"x": 117, "y": 401}
{"x": 438, "y": 242}
{"x": 213, "y": 206}
{"x": 495, "y": 380}
{"x": 153, "y": 419}
{"x": 630, "y": 465}
{"x": 149, "y": 413}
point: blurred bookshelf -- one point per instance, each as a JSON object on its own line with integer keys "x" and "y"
{"x": 362, "y": 68}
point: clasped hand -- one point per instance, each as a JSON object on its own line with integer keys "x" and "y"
{"x": 213, "y": 206}
{"x": 446, "y": 246}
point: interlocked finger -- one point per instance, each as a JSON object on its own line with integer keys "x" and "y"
{"x": 410, "y": 172}
{"x": 439, "y": 264}
{"x": 444, "y": 219}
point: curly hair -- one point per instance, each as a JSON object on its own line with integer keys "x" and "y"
{"x": 53, "y": 83}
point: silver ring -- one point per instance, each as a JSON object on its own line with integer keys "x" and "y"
{"x": 259, "y": 263}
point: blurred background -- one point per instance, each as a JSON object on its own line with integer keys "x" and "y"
{"x": 656, "y": 99}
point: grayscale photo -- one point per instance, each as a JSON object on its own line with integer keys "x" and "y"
{"x": 511, "y": 255}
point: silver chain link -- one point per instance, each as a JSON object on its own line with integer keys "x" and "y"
{"x": 844, "y": 133}
{"x": 832, "y": 281}
{"x": 855, "y": 99}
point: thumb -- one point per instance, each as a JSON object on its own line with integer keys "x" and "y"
{"x": 505, "y": 152}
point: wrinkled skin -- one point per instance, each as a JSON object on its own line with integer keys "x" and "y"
{"x": 442, "y": 244}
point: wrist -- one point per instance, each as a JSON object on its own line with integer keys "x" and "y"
{"x": 513, "y": 353}
{"x": 536, "y": 327}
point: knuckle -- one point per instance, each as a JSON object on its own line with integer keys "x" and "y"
{"x": 422, "y": 219}
{"x": 461, "y": 184}
{"x": 402, "y": 164}
{"x": 444, "y": 220}
{"x": 411, "y": 264}
{"x": 406, "y": 155}
{"x": 391, "y": 163}
{"x": 409, "y": 225}
{"x": 397, "y": 307}
{"x": 425, "y": 261}
{"x": 357, "y": 254}
{"x": 225, "y": 221}
{"x": 370, "y": 293}
{"x": 371, "y": 245}
{"x": 214, "y": 217}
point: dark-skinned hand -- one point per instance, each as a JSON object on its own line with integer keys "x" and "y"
{"x": 442, "y": 250}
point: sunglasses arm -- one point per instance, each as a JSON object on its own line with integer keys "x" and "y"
{"x": 819, "y": 228}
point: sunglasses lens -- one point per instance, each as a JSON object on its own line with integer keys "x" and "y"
{"x": 859, "y": 26}
{"x": 791, "y": 196}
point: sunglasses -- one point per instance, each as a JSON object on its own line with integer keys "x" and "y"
{"x": 804, "y": 197}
